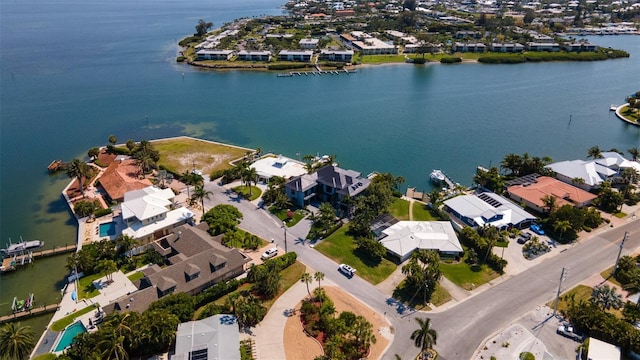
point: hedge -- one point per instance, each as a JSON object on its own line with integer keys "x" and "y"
{"x": 217, "y": 291}
{"x": 288, "y": 66}
{"x": 103, "y": 212}
{"x": 450, "y": 60}
{"x": 285, "y": 260}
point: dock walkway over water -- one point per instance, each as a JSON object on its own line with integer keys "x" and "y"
{"x": 31, "y": 312}
{"x": 317, "y": 72}
{"x": 11, "y": 263}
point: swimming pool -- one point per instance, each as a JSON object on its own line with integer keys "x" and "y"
{"x": 107, "y": 229}
{"x": 68, "y": 334}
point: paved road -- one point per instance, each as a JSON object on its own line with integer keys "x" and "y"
{"x": 461, "y": 329}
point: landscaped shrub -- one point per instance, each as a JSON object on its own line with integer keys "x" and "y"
{"x": 526, "y": 356}
{"x": 450, "y": 60}
{"x": 287, "y": 66}
{"x": 103, "y": 212}
{"x": 502, "y": 59}
{"x": 217, "y": 291}
{"x": 285, "y": 260}
{"x": 180, "y": 59}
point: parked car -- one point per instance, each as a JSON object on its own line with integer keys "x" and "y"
{"x": 537, "y": 229}
{"x": 522, "y": 239}
{"x": 269, "y": 253}
{"x": 347, "y": 270}
{"x": 567, "y": 331}
{"x": 526, "y": 235}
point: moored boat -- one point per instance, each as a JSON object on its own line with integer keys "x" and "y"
{"x": 21, "y": 247}
{"x": 436, "y": 176}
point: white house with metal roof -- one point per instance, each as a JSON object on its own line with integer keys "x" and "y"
{"x": 600, "y": 350}
{"x": 404, "y": 237}
{"x": 615, "y": 161}
{"x": 148, "y": 212}
{"x": 591, "y": 172}
{"x": 488, "y": 208}
{"x": 270, "y": 166}
{"x": 215, "y": 337}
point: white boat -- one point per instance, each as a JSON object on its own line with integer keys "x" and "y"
{"x": 21, "y": 247}
{"x": 437, "y": 176}
{"x": 613, "y": 108}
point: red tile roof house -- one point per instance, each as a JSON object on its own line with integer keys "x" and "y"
{"x": 197, "y": 261}
{"x": 532, "y": 193}
{"x": 120, "y": 177}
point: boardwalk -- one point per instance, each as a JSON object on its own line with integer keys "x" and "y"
{"x": 11, "y": 263}
{"x": 34, "y": 311}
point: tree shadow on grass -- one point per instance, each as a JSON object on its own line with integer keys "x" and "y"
{"x": 407, "y": 298}
{"x": 366, "y": 259}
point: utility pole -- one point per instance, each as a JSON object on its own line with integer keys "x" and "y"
{"x": 563, "y": 276}
{"x": 284, "y": 227}
{"x": 615, "y": 268}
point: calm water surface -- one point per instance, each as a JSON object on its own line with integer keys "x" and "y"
{"x": 73, "y": 72}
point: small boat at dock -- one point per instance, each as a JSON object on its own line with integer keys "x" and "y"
{"x": 437, "y": 176}
{"x": 21, "y": 247}
{"x": 613, "y": 107}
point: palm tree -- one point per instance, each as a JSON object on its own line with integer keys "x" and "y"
{"x": 200, "y": 193}
{"x": 306, "y": 278}
{"x": 144, "y": 160}
{"x": 108, "y": 267}
{"x": 249, "y": 176}
{"x": 16, "y": 341}
{"x": 79, "y": 170}
{"x": 578, "y": 181}
{"x": 562, "y": 226}
{"x": 606, "y": 297}
{"x": 319, "y": 276}
{"x": 549, "y": 202}
{"x": 594, "y": 152}
{"x": 635, "y": 153}
{"x": 126, "y": 243}
{"x": 424, "y": 337}
{"x": 513, "y": 163}
{"x": 113, "y": 139}
{"x": 111, "y": 346}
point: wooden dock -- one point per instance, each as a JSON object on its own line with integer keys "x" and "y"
{"x": 11, "y": 263}
{"x": 37, "y": 310}
{"x": 317, "y": 72}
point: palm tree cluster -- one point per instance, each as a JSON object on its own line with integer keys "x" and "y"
{"x": 521, "y": 165}
{"x": 314, "y": 163}
{"x": 81, "y": 171}
{"x": 422, "y": 274}
{"x": 104, "y": 256}
{"x": 146, "y": 156}
{"x": 482, "y": 246}
{"x": 567, "y": 220}
{"x": 275, "y": 194}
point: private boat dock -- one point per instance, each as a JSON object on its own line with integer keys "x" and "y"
{"x": 12, "y": 262}
{"x": 439, "y": 177}
{"x": 317, "y": 72}
{"x": 30, "y": 312}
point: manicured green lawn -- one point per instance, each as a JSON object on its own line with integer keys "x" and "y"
{"x": 244, "y": 191}
{"x": 341, "y": 248}
{"x": 380, "y": 59}
{"x": 135, "y": 276}
{"x": 581, "y": 292}
{"x": 439, "y": 296}
{"x": 87, "y": 290}
{"x": 467, "y": 277}
{"x": 282, "y": 215}
{"x": 630, "y": 114}
{"x": 67, "y": 320}
{"x": 421, "y": 212}
{"x": 400, "y": 209}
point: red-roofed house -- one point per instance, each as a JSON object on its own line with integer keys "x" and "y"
{"x": 121, "y": 177}
{"x": 532, "y": 193}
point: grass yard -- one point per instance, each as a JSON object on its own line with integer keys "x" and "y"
{"x": 421, "y": 212}
{"x": 400, "y": 209}
{"x": 439, "y": 296}
{"x": 620, "y": 215}
{"x": 68, "y": 320}
{"x": 244, "y": 191}
{"x": 183, "y": 153}
{"x": 135, "y": 276}
{"x": 581, "y": 292}
{"x": 341, "y": 248}
{"x": 467, "y": 277}
{"x": 379, "y": 59}
{"x": 282, "y": 215}
{"x": 85, "y": 284}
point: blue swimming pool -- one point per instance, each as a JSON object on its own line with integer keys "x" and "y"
{"x": 107, "y": 229}
{"x": 68, "y": 334}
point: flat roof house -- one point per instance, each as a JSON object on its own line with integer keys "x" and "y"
{"x": 532, "y": 193}
{"x": 543, "y": 46}
{"x": 337, "y": 55}
{"x": 506, "y": 47}
{"x": 308, "y": 43}
{"x": 328, "y": 184}
{"x": 245, "y": 55}
{"x": 148, "y": 214}
{"x": 215, "y": 337}
{"x": 404, "y": 237}
{"x": 373, "y": 46}
{"x": 600, "y": 350}
{"x": 469, "y": 47}
{"x": 488, "y": 208}
{"x": 282, "y": 166}
{"x": 214, "y": 54}
{"x": 196, "y": 261}
{"x": 295, "y": 55}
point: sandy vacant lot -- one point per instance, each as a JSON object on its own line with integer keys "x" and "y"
{"x": 298, "y": 346}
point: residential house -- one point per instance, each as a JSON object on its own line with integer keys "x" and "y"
{"x": 196, "y": 261}
{"x": 467, "y": 34}
{"x": 122, "y": 175}
{"x": 149, "y": 214}
{"x": 214, "y": 54}
{"x": 328, "y": 184}
{"x": 617, "y": 162}
{"x": 282, "y": 166}
{"x": 506, "y": 47}
{"x": 487, "y": 208}
{"x": 543, "y": 46}
{"x": 469, "y": 47}
{"x": 532, "y": 193}
{"x": 215, "y": 337}
{"x": 585, "y": 174}
{"x": 295, "y": 55}
{"x": 373, "y": 46}
{"x": 580, "y": 46}
{"x": 403, "y": 238}
{"x": 245, "y": 55}
{"x": 337, "y": 55}
{"x": 600, "y": 350}
{"x": 308, "y": 43}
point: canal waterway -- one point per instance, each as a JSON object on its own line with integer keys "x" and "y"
{"x": 74, "y": 72}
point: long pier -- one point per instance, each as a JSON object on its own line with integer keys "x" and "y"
{"x": 318, "y": 72}
{"x": 11, "y": 263}
{"x": 31, "y": 312}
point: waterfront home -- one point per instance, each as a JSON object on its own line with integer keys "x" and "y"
{"x": 121, "y": 176}
{"x": 244, "y": 55}
{"x": 215, "y": 337}
{"x": 308, "y": 44}
{"x": 282, "y": 166}
{"x": 506, "y": 47}
{"x": 196, "y": 261}
{"x": 374, "y": 46}
{"x": 543, "y": 46}
{"x": 531, "y": 190}
{"x": 617, "y": 162}
{"x": 469, "y": 47}
{"x": 487, "y": 208}
{"x": 337, "y": 55}
{"x": 587, "y": 175}
{"x": 580, "y": 46}
{"x": 328, "y": 184}
{"x": 214, "y": 54}
{"x": 295, "y": 55}
{"x": 150, "y": 213}
{"x": 404, "y": 237}
{"x": 467, "y": 34}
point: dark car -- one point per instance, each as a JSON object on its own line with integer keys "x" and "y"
{"x": 522, "y": 240}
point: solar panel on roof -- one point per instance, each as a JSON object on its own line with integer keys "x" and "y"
{"x": 202, "y": 354}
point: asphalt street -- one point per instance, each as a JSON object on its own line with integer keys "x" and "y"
{"x": 462, "y": 328}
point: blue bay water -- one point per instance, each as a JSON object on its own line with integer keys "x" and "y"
{"x": 73, "y": 72}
